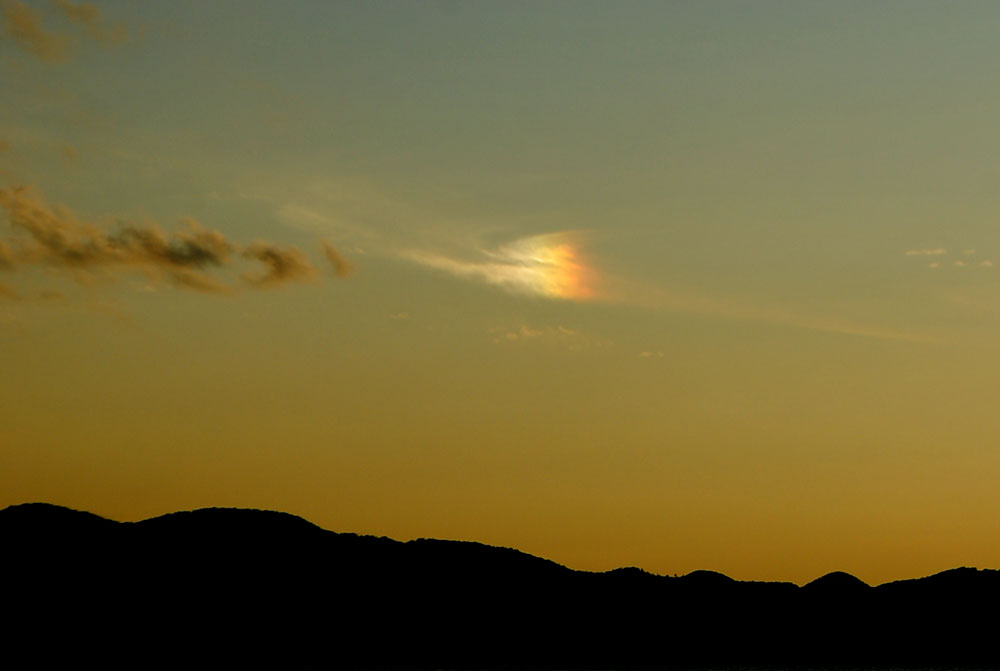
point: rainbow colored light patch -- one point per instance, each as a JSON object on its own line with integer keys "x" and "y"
{"x": 550, "y": 265}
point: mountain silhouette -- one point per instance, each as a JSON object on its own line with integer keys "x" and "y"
{"x": 229, "y": 588}
{"x": 837, "y": 585}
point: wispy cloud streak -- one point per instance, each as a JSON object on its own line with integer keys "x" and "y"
{"x": 548, "y": 265}
{"x": 553, "y": 266}
{"x": 681, "y": 300}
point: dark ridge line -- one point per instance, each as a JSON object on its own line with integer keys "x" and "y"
{"x": 245, "y": 588}
{"x": 834, "y": 579}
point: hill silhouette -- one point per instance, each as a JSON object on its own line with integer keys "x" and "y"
{"x": 234, "y": 587}
{"x": 837, "y": 585}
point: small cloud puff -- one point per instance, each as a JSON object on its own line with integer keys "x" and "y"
{"x": 958, "y": 263}
{"x": 939, "y": 251}
{"x": 658, "y": 354}
{"x": 527, "y": 333}
{"x": 571, "y": 338}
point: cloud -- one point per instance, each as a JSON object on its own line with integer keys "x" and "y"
{"x": 56, "y": 238}
{"x": 304, "y": 218}
{"x": 549, "y": 265}
{"x": 23, "y": 25}
{"x": 522, "y": 333}
{"x": 958, "y": 263}
{"x": 281, "y": 265}
{"x": 44, "y": 296}
{"x": 571, "y": 339}
{"x": 341, "y": 266}
{"x": 362, "y": 219}
{"x": 89, "y": 17}
{"x": 962, "y": 263}
{"x": 194, "y": 247}
{"x": 198, "y": 281}
{"x": 69, "y": 152}
{"x": 658, "y": 354}
{"x": 6, "y": 256}
{"x": 552, "y": 265}
{"x": 747, "y": 309}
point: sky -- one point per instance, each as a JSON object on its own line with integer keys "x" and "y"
{"x": 676, "y": 285}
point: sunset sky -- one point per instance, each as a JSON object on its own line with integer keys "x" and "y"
{"x": 678, "y": 285}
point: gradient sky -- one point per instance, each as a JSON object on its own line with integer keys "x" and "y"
{"x": 685, "y": 285}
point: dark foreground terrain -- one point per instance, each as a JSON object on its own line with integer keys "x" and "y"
{"x": 229, "y": 588}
